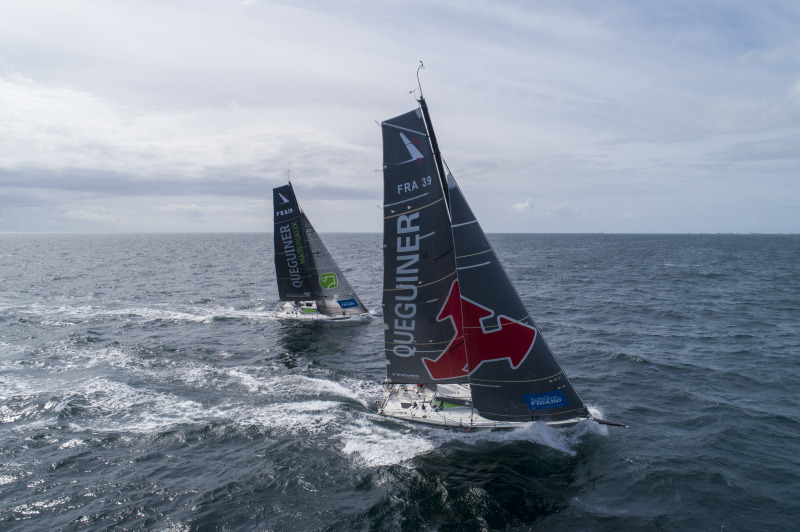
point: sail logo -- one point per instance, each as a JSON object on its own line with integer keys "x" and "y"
{"x": 413, "y": 148}
{"x": 284, "y": 198}
{"x": 509, "y": 340}
{"x": 405, "y": 285}
{"x": 293, "y": 250}
{"x": 542, "y": 401}
{"x": 328, "y": 280}
{"x": 347, "y": 303}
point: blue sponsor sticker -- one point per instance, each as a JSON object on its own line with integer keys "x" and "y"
{"x": 541, "y": 401}
{"x": 348, "y": 303}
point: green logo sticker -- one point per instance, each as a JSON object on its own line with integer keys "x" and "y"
{"x": 328, "y": 280}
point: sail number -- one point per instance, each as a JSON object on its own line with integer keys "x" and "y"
{"x": 410, "y": 186}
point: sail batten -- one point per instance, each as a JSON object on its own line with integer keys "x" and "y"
{"x": 394, "y": 126}
{"x": 407, "y": 200}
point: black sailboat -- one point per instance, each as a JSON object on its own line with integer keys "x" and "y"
{"x": 461, "y": 348}
{"x": 310, "y": 283}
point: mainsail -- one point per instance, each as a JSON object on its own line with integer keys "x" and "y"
{"x": 304, "y": 268}
{"x": 419, "y": 260}
{"x": 451, "y": 313}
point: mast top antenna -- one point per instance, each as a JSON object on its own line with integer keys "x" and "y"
{"x": 420, "y": 67}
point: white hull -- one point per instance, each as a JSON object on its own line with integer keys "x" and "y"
{"x": 307, "y": 310}
{"x": 421, "y": 404}
{"x": 302, "y": 310}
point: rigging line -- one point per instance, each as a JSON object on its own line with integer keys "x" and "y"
{"x": 420, "y": 67}
{"x": 473, "y": 254}
{"x": 413, "y": 210}
{"x": 437, "y": 280}
{"x": 406, "y": 200}
{"x": 422, "y": 285}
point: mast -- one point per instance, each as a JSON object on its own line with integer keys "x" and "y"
{"x": 437, "y": 155}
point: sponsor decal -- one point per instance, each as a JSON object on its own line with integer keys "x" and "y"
{"x": 406, "y": 376}
{"x": 406, "y": 279}
{"x": 294, "y": 251}
{"x": 328, "y": 280}
{"x": 301, "y": 295}
{"x": 509, "y": 340}
{"x": 542, "y": 401}
{"x": 412, "y": 146}
{"x": 348, "y": 303}
{"x": 284, "y": 210}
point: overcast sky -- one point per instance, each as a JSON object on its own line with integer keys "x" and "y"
{"x": 554, "y": 116}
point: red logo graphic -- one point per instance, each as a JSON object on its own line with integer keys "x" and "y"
{"x": 511, "y": 340}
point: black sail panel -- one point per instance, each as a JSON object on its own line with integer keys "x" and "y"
{"x": 513, "y": 374}
{"x": 292, "y": 268}
{"x": 332, "y": 292}
{"x": 419, "y": 262}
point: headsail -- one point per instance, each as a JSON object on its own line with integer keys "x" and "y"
{"x": 332, "y": 292}
{"x": 512, "y": 372}
{"x": 419, "y": 263}
{"x": 304, "y": 268}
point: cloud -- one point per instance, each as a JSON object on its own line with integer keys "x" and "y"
{"x": 592, "y": 109}
{"x": 525, "y": 206}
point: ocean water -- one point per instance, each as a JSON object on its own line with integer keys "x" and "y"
{"x": 145, "y": 385}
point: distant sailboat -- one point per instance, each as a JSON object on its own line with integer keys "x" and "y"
{"x": 310, "y": 283}
{"x": 461, "y": 348}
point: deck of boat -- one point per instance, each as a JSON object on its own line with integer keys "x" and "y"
{"x": 447, "y": 405}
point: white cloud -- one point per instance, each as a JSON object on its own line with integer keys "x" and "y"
{"x": 593, "y": 109}
{"x": 525, "y": 206}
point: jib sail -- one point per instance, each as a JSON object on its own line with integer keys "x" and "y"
{"x": 513, "y": 374}
{"x": 332, "y": 292}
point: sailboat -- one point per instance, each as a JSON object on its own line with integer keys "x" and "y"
{"x": 310, "y": 284}
{"x": 461, "y": 348}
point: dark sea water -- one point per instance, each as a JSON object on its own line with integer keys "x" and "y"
{"x": 145, "y": 385}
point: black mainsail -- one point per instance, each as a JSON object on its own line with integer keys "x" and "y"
{"x": 451, "y": 314}
{"x": 304, "y": 268}
{"x": 419, "y": 259}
